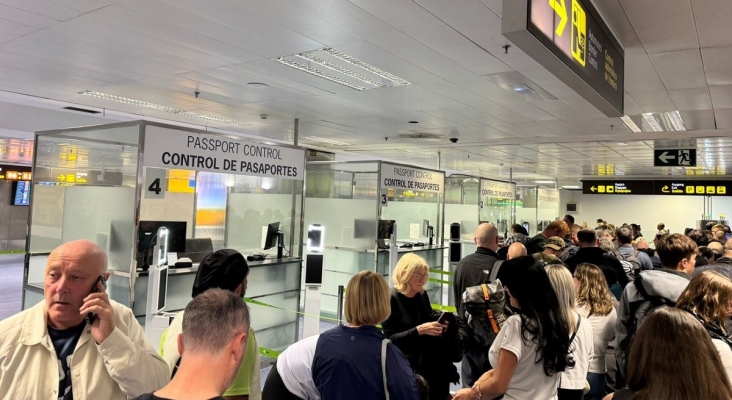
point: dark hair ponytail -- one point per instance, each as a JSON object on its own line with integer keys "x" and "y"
{"x": 542, "y": 321}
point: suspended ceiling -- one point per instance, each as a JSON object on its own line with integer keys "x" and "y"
{"x": 677, "y": 55}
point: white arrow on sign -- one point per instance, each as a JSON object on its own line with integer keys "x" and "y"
{"x": 665, "y": 157}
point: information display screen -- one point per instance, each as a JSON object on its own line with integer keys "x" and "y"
{"x": 617, "y": 187}
{"x": 21, "y": 193}
{"x": 575, "y": 33}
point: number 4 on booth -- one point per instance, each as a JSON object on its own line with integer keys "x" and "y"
{"x": 155, "y": 183}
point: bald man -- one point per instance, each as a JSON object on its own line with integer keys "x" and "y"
{"x": 516, "y": 250}
{"x": 473, "y": 270}
{"x": 77, "y": 344}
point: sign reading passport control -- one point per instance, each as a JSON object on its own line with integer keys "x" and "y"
{"x": 169, "y": 148}
{"x": 410, "y": 178}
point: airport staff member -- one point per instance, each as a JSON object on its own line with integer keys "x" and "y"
{"x": 78, "y": 344}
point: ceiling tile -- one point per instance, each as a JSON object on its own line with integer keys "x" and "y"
{"x": 658, "y": 101}
{"x": 641, "y": 75}
{"x": 717, "y": 65}
{"x": 662, "y": 26}
{"x": 680, "y": 69}
{"x": 712, "y": 22}
{"x": 691, "y": 99}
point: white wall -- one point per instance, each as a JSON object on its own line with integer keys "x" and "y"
{"x": 677, "y": 212}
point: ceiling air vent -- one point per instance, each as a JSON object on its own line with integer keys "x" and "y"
{"x": 84, "y": 110}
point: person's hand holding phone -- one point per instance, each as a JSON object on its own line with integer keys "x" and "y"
{"x": 97, "y": 303}
{"x": 430, "y": 329}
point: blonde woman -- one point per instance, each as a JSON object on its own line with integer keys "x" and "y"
{"x": 572, "y": 380}
{"x": 709, "y": 299}
{"x": 347, "y": 361}
{"x": 595, "y": 302}
{"x": 412, "y": 326}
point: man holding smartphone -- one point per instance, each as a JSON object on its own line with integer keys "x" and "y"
{"x": 77, "y": 343}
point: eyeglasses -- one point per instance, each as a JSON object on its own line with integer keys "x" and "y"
{"x": 421, "y": 277}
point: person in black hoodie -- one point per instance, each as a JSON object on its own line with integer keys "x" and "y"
{"x": 591, "y": 254}
{"x": 428, "y": 339}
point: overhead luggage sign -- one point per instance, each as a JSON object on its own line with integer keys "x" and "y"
{"x": 674, "y": 158}
{"x": 569, "y": 39}
{"x": 169, "y": 148}
{"x": 410, "y": 178}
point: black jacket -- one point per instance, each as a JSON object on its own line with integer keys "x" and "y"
{"x": 472, "y": 270}
{"x": 722, "y": 265}
{"x": 610, "y": 265}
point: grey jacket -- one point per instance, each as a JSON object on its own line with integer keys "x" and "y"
{"x": 663, "y": 286}
{"x": 722, "y": 265}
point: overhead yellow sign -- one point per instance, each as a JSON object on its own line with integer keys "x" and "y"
{"x": 560, "y": 7}
{"x": 579, "y": 33}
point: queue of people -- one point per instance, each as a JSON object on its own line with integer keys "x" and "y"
{"x": 583, "y": 324}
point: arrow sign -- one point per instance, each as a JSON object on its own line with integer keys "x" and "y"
{"x": 664, "y": 157}
{"x": 560, "y": 7}
{"x": 593, "y": 189}
{"x": 674, "y": 158}
{"x": 664, "y": 189}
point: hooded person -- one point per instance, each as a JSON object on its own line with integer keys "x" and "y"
{"x": 225, "y": 269}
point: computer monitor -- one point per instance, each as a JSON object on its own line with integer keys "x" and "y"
{"x": 146, "y": 239}
{"x": 274, "y": 237}
{"x": 426, "y": 228}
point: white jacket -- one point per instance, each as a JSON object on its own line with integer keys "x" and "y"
{"x": 124, "y": 365}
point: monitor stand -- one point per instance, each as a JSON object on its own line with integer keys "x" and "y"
{"x": 280, "y": 243}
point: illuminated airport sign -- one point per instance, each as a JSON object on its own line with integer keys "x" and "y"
{"x": 674, "y": 158}
{"x": 586, "y": 55}
{"x": 617, "y": 187}
{"x": 661, "y": 187}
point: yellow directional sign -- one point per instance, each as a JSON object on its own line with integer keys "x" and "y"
{"x": 601, "y": 189}
{"x": 593, "y": 189}
{"x": 61, "y": 178}
{"x": 700, "y": 190}
{"x": 579, "y": 33}
{"x": 722, "y": 190}
{"x": 711, "y": 190}
{"x": 690, "y": 189}
{"x": 560, "y": 7}
{"x": 665, "y": 189}
{"x": 610, "y": 189}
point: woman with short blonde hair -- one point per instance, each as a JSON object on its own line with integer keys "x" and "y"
{"x": 347, "y": 363}
{"x": 430, "y": 346}
{"x": 709, "y": 299}
{"x": 595, "y": 302}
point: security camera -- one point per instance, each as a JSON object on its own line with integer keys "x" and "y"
{"x": 263, "y": 116}
{"x": 454, "y": 136}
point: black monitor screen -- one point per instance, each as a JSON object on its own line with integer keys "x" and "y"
{"x": 162, "y": 289}
{"x": 314, "y": 269}
{"x": 271, "y": 240}
{"x": 21, "y": 193}
{"x": 146, "y": 238}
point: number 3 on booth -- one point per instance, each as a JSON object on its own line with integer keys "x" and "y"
{"x": 155, "y": 183}
{"x": 384, "y": 200}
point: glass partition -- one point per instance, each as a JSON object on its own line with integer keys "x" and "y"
{"x": 497, "y": 204}
{"x": 526, "y": 209}
{"x": 548, "y": 207}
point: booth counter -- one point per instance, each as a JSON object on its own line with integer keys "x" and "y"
{"x": 117, "y": 184}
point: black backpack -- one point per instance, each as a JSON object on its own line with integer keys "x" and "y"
{"x": 486, "y": 310}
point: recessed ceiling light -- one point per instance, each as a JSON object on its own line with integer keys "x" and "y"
{"x": 623, "y": 144}
{"x": 676, "y": 120}
{"x": 653, "y": 122}
{"x": 324, "y": 140}
{"x": 422, "y": 156}
{"x": 158, "y": 107}
{"x": 543, "y": 181}
{"x": 571, "y": 187}
{"x": 257, "y": 85}
{"x": 324, "y": 63}
{"x": 413, "y": 122}
{"x": 630, "y": 124}
{"x": 522, "y": 89}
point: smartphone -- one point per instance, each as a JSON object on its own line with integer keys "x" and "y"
{"x": 95, "y": 289}
{"x": 443, "y": 317}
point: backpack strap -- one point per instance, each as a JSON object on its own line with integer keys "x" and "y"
{"x": 576, "y": 329}
{"x": 384, "y": 344}
{"x": 494, "y": 270}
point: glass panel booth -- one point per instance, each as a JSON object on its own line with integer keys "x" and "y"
{"x": 359, "y": 204}
{"x": 117, "y": 184}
